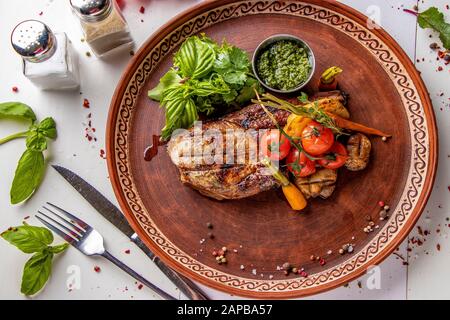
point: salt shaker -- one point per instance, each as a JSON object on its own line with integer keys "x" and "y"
{"x": 104, "y": 27}
{"x": 49, "y": 60}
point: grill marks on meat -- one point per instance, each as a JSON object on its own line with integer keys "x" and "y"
{"x": 220, "y": 176}
{"x": 254, "y": 117}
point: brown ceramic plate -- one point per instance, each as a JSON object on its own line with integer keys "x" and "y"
{"x": 385, "y": 91}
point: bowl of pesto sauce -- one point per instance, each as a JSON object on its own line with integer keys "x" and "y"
{"x": 283, "y": 63}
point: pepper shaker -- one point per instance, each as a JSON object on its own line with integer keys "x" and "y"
{"x": 49, "y": 60}
{"x": 105, "y": 29}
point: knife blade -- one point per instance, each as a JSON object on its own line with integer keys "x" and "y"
{"x": 111, "y": 213}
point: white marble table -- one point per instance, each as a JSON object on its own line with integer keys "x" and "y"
{"x": 424, "y": 277}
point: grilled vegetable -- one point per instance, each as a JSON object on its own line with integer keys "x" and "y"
{"x": 320, "y": 184}
{"x": 294, "y": 196}
{"x": 358, "y": 147}
{"x": 295, "y": 125}
{"x": 350, "y": 125}
{"x": 334, "y": 106}
{"x": 327, "y": 81}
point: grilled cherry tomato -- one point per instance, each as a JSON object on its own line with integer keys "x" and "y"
{"x": 274, "y": 145}
{"x": 299, "y": 164}
{"x": 335, "y": 157}
{"x": 317, "y": 139}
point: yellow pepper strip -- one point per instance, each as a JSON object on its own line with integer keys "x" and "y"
{"x": 330, "y": 74}
{"x": 295, "y": 125}
{"x": 293, "y": 195}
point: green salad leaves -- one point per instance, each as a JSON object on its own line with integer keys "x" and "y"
{"x": 31, "y": 167}
{"x": 434, "y": 19}
{"x": 36, "y": 240}
{"x": 204, "y": 77}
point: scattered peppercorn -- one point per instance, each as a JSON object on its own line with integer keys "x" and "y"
{"x": 341, "y": 251}
{"x": 209, "y": 225}
{"x": 127, "y": 251}
{"x": 97, "y": 269}
{"x": 86, "y": 104}
{"x": 142, "y": 10}
{"x": 312, "y": 257}
{"x": 88, "y": 54}
{"x": 434, "y": 46}
{"x": 15, "y": 89}
{"x": 381, "y": 203}
{"x": 210, "y": 235}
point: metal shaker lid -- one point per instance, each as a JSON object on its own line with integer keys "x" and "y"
{"x": 33, "y": 40}
{"x": 91, "y": 10}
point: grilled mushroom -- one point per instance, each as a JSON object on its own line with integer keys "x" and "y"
{"x": 358, "y": 147}
{"x": 320, "y": 184}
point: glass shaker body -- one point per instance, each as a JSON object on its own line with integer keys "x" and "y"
{"x": 49, "y": 60}
{"x": 59, "y": 72}
{"x": 106, "y": 31}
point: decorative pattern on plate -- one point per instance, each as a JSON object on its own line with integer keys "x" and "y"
{"x": 384, "y": 55}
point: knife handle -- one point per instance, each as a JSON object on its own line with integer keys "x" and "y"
{"x": 189, "y": 288}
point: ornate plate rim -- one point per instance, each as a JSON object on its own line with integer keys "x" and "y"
{"x": 279, "y": 288}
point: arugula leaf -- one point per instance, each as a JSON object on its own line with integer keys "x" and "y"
{"x": 233, "y": 64}
{"x": 28, "y": 239}
{"x": 434, "y": 19}
{"x": 248, "y": 92}
{"x": 195, "y": 58}
{"x": 17, "y": 110}
{"x": 170, "y": 79}
{"x": 29, "y": 173}
{"x": 36, "y": 272}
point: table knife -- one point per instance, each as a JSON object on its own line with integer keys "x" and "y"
{"x": 115, "y": 216}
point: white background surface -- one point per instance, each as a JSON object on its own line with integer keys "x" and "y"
{"x": 424, "y": 277}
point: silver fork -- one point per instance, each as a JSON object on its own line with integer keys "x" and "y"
{"x": 87, "y": 240}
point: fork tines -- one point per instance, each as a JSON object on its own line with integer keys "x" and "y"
{"x": 66, "y": 225}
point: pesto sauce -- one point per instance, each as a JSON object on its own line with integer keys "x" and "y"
{"x": 283, "y": 65}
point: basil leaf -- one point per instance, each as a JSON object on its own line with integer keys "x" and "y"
{"x": 434, "y": 19}
{"x": 36, "y": 272}
{"x": 29, "y": 173}
{"x": 58, "y": 248}
{"x": 171, "y": 78}
{"x": 47, "y": 128}
{"x": 17, "y": 110}
{"x": 195, "y": 59}
{"x": 36, "y": 141}
{"x": 28, "y": 239}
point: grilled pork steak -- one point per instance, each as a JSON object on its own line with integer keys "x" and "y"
{"x": 219, "y": 160}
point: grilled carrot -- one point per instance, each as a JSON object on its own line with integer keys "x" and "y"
{"x": 293, "y": 195}
{"x": 350, "y": 125}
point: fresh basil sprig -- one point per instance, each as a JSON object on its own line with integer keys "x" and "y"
{"x": 205, "y": 76}
{"x": 37, "y": 240}
{"x": 31, "y": 167}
